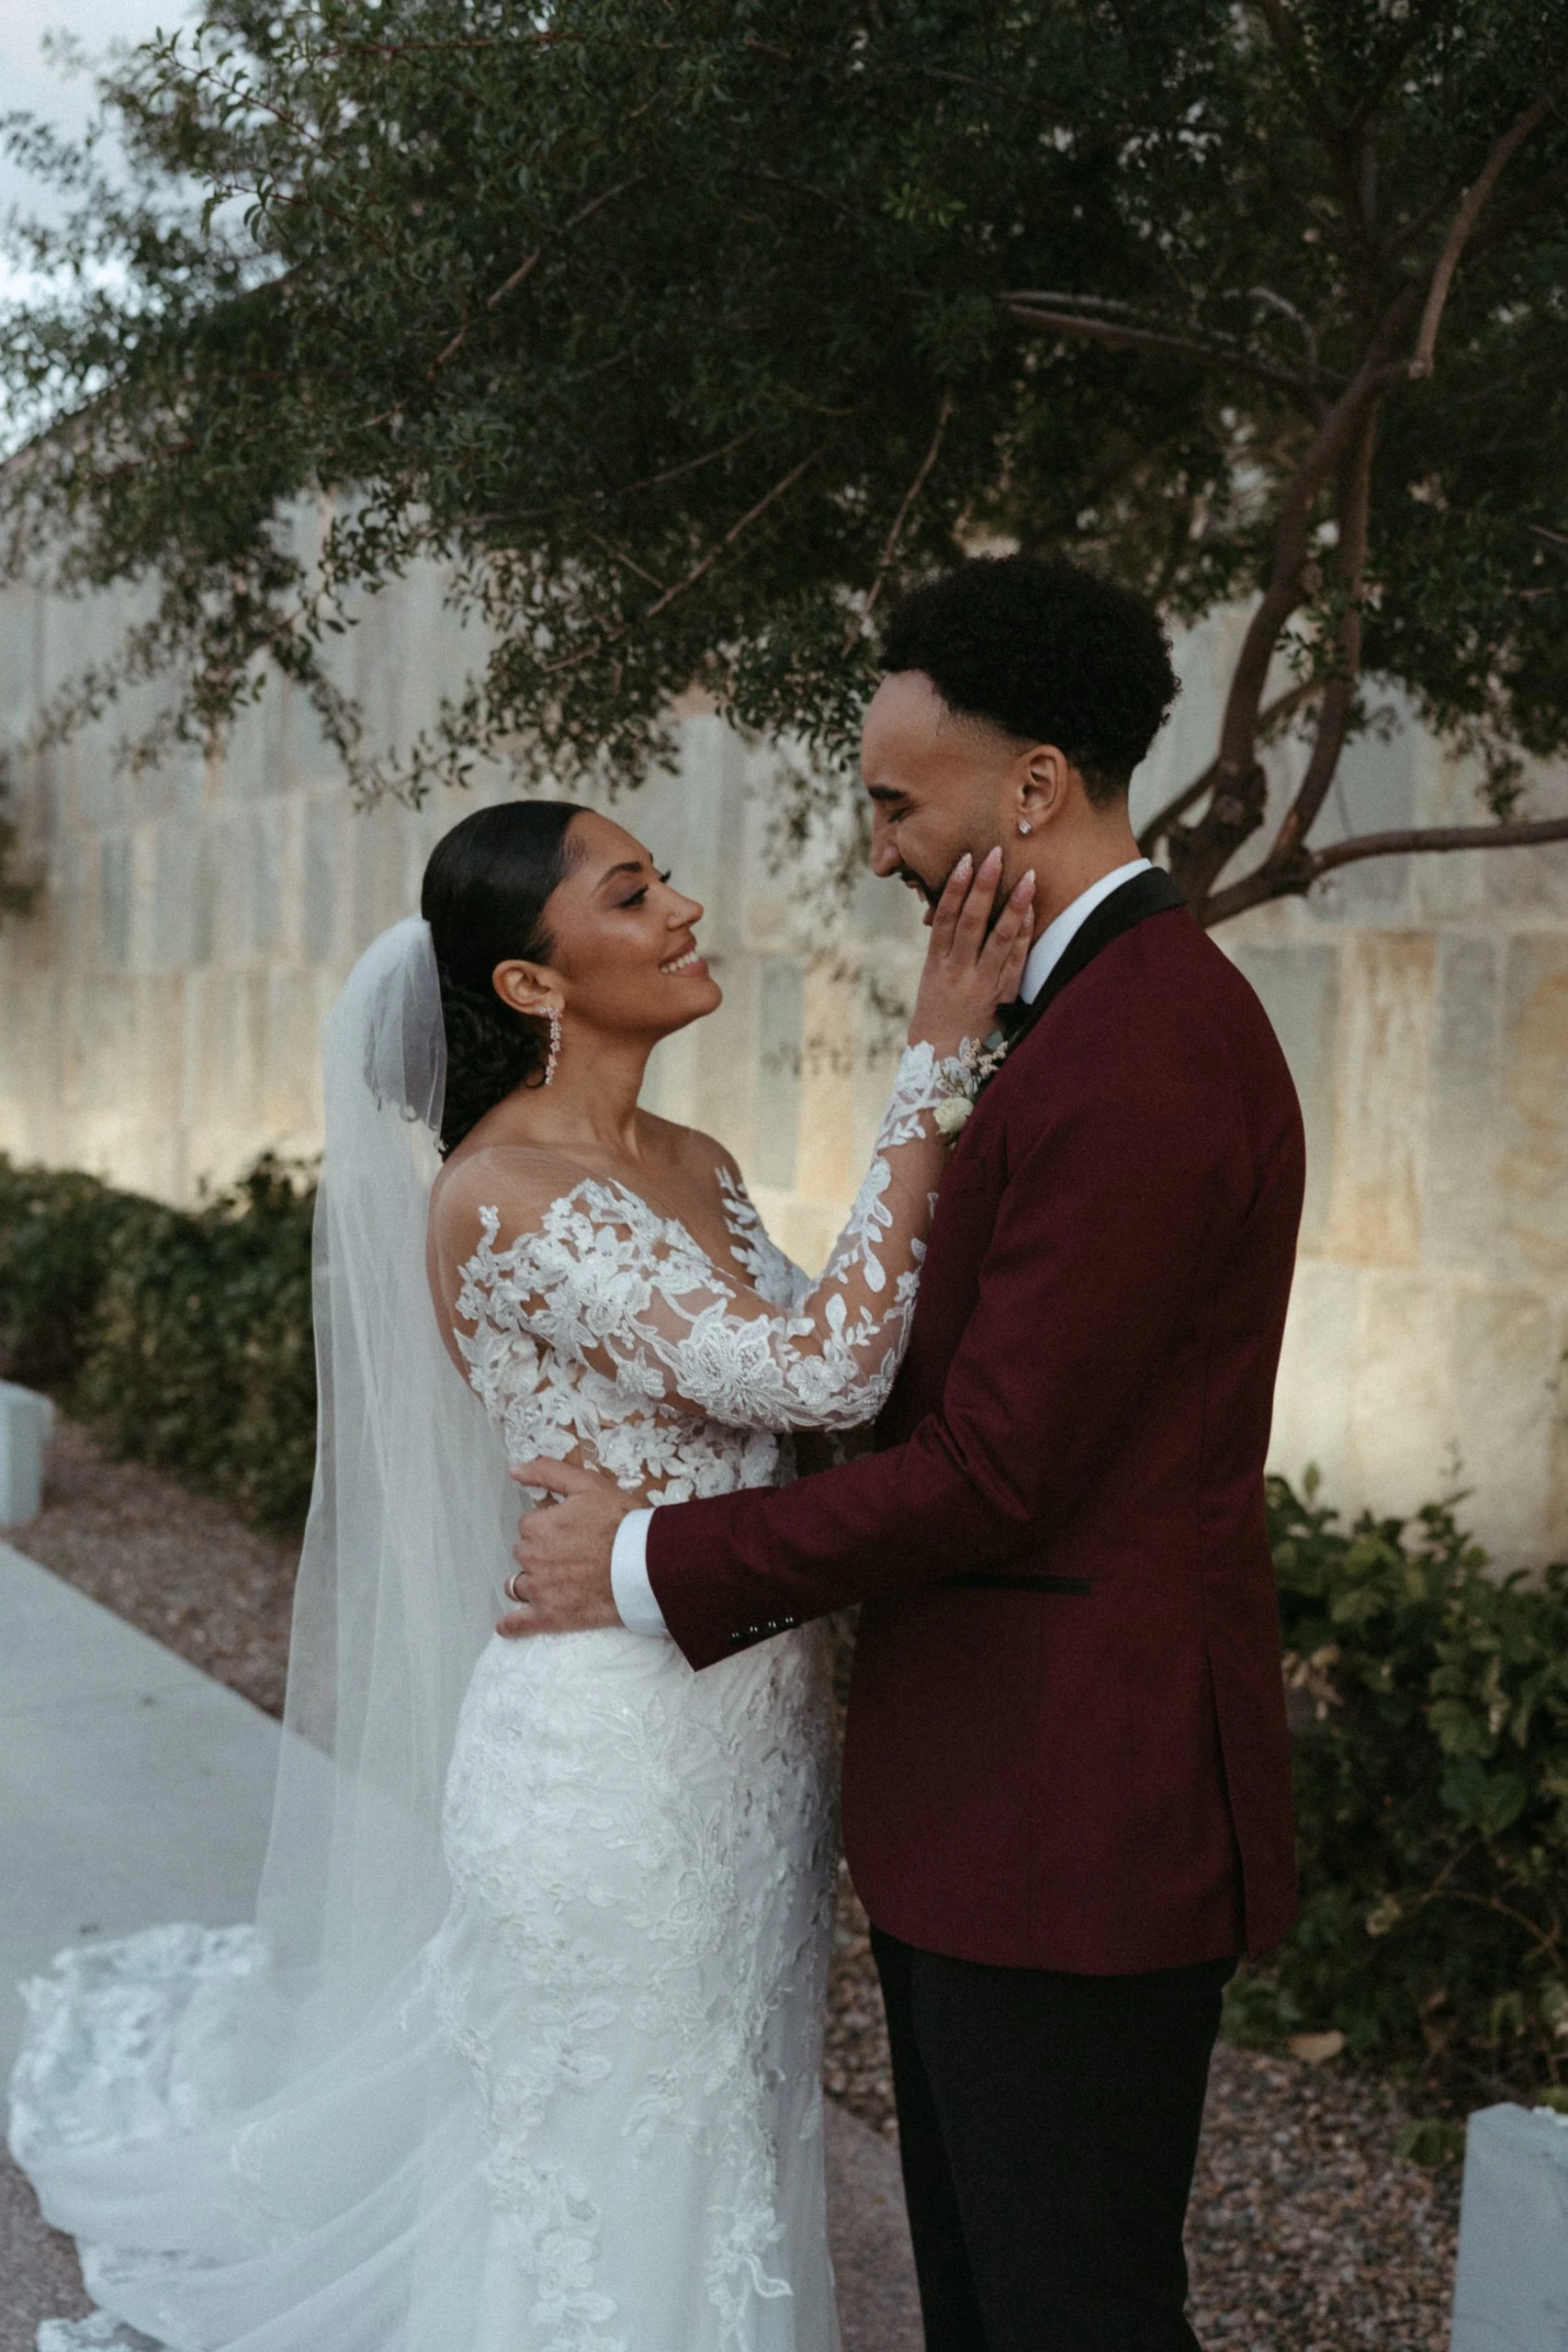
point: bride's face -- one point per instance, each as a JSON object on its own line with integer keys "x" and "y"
{"x": 625, "y": 949}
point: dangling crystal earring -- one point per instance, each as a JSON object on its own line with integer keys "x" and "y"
{"x": 1024, "y": 826}
{"x": 553, "y": 1016}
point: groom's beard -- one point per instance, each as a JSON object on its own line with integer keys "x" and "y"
{"x": 906, "y": 875}
{"x": 930, "y": 892}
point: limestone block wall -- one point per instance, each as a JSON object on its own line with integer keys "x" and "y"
{"x": 159, "y": 1014}
{"x": 1423, "y": 1005}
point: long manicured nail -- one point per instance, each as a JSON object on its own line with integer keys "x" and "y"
{"x": 962, "y": 870}
{"x": 992, "y": 859}
{"x": 1024, "y": 887}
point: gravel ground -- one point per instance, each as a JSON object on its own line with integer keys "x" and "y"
{"x": 38, "y": 2276}
{"x": 1308, "y": 2234}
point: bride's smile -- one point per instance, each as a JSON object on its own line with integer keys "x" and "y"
{"x": 615, "y": 925}
{"x": 691, "y": 964}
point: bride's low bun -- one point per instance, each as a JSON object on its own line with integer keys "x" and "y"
{"x": 486, "y": 887}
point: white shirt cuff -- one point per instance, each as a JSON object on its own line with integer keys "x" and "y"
{"x": 639, "y": 1612}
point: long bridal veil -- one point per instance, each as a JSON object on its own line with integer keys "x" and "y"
{"x": 409, "y": 1528}
{"x": 231, "y": 2120}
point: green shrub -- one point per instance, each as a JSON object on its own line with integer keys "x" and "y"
{"x": 1431, "y": 1781}
{"x": 60, "y": 1233}
{"x": 184, "y": 1335}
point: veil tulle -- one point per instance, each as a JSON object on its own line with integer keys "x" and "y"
{"x": 255, "y": 2133}
{"x": 411, "y": 1521}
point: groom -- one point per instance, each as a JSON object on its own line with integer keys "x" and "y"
{"x": 1066, "y": 1785}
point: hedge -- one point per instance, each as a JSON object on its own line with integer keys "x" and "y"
{"x": 184, "y": 1335}
{"x": 1431, "y": 1781}
{"x": 1431, "y": 1762}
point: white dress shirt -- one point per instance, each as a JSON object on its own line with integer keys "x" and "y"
{"x": 638, "y": 1610}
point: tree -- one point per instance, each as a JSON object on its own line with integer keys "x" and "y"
{"x": 685, "y": 332}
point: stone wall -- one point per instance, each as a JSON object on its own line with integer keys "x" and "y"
{"x": 1423, "y": 1004}
{"x": 159, "y": 1014}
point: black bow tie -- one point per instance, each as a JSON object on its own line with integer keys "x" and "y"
{"x": 1010, "y": 1018}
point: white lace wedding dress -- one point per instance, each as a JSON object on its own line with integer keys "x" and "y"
{"x": 586, "y": 2118}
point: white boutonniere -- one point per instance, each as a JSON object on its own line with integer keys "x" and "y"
{"x": 962, "y": 1075}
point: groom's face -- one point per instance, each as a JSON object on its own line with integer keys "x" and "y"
{"x": 938, "y": 784}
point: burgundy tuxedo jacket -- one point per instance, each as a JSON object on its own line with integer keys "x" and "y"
{"x": 1067, "y": 1744}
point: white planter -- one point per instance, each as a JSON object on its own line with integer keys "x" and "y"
{"x": 24, "y": 1436}
{"x": 1511, "y": 2294}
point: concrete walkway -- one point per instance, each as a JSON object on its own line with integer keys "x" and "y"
{"x": 134, "y": 1789}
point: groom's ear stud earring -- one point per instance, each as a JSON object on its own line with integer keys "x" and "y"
{"x": 1024, "y": 826}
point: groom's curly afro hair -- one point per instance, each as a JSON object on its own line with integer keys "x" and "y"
{"x": 1046, "y": 651}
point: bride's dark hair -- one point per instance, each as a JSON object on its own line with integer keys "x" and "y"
{"x": 486, "y": 887}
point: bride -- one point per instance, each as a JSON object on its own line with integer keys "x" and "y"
{"x": 522, "y": 2053}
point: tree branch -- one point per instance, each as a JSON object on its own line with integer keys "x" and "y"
{"x": 619, "y": 555}
{"x": 890, "y": 546}
{"x": 1414, "y": 229}
{"x": 752, "y": 515}
{"x": 601, "y": 499}
{"x": 1335, "y": 136}
{"x": 1161, "y": 822}
{"x": 1258, "y": 889}
{"x": 1340, "y": 691}
{"x": 1464, "y": 222}
{"x": 660, "y": 603}
{"x": 1199, "y": 856}
{"x": 1137, "y": 338}
{"x": 527, "y": 267}
{"x": 1347, "y": 440}
{"x": 689, "y": 466}
{"x": 1288, "y": 41}
{"x": 1527, "y": 834}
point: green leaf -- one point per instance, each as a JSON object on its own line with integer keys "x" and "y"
{"x": 1463, "y": 1788}
{"x": 1459, "y": 1730}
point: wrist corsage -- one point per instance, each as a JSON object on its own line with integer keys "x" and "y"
{"x": 962, "y": 1075}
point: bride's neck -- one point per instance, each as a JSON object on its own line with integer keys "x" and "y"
{"x": 590, "y": 1105}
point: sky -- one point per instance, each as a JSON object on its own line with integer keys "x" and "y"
{"x": 27, "y": 83}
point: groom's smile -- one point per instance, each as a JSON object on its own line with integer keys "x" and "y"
{"x": 941, "y": 784}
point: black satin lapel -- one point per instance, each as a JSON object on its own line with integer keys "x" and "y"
{"x": 1153, "y": 893}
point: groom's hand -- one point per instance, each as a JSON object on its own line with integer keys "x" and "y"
{"x": 561, "y": 1584}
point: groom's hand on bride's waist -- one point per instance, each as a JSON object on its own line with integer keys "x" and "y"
{"x": 561, "y": 1581}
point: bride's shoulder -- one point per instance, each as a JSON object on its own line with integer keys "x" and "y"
{"x": 697, "y": 1157}
{"x": 497, "y": 1189}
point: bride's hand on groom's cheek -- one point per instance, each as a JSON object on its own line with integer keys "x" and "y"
{"x": 561, "y": 1581}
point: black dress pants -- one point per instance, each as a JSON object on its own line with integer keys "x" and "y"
{"x": 1049, "y": 2126}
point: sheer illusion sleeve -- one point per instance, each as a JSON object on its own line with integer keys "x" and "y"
{"x": 596, "y": 1279}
